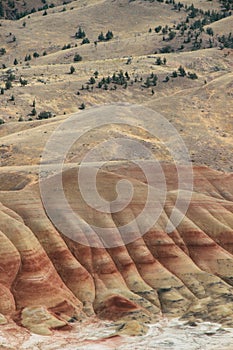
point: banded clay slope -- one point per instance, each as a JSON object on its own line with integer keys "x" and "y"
{"x": 48, "y": 277}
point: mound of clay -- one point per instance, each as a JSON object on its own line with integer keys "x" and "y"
{"x": 49, "y": 277}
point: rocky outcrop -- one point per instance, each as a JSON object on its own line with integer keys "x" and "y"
{"x": 48, "y": 278}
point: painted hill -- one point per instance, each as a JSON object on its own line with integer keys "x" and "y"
{"x": 185, "y": 273}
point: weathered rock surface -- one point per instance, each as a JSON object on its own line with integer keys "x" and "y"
{"x": 47, "y": 278}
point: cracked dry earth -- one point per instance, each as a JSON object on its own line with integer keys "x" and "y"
{"x": 49, "y": 279}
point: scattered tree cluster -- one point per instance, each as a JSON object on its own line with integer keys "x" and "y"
{"x": 192, "y": 27}
{"x": 159, "y": 61}
{"x": 80, "y": 34}
{"x": 226, "y": 40}
{"x": 108, "y": 36}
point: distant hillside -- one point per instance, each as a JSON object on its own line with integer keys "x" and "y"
{"x": 15, "y": 9}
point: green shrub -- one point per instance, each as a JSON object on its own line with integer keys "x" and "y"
{"x": 77, "y": 58}
{"x": 44, "y": 115}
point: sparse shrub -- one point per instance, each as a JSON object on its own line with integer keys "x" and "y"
{"x": 166, "y": 49}
{"x": 77, "y": 58}
{"x": 44, "y": 115}
{"x": 1, "y": 121}
{"x": 35, "y": 54}
{"x": 15, "y": 61}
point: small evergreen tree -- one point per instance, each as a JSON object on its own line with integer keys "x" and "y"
{"x": 2, "y": 12}
{"x": 23, "y": 82}
{"x": 192, "y": 75}
{"x": 209, "y": 31}
{"x": 182, "y": 71}
{"x": 157, "y": 29}
{"x": 92, "y": 80}
{"x": 77, "y": 58}
{"x": 80, "y": 34}
{"x": 72, "y": 69}
{"x": 158, "y": 61}
{"x": 8, "y": 84}
{"x": 33, "y": 111}
{"x": 109, "y": 35}
{"x": 85, "y": 41}
{"x": 101, "y": 37}
{"x": 2, "y": 51}
{"x": 82, "y": 106}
